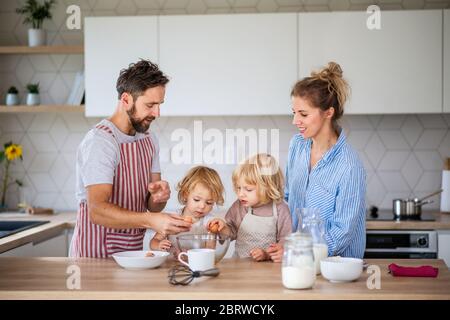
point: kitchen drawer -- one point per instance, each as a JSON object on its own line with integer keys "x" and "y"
{"x": 53, "y": 247}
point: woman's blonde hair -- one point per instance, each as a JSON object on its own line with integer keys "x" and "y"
{"x": 205, "y": 176}
{"x": 263, "y": 171}
{"x": 324, "y": 89}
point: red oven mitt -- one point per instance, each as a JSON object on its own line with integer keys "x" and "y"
{"x": 422, "y": 271}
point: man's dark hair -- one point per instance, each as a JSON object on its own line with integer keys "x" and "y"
{"x": 139, "y": 77}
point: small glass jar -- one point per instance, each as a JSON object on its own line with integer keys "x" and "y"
{"x": 298, "y": 270}
{"x": 313, "y": 224}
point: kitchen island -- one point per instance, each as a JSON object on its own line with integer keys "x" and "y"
{"x": 48, "y": 278}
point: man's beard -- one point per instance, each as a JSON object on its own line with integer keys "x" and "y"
{"x": 139, "y": 124}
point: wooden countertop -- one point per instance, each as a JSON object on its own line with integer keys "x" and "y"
{"x": 442, "y": 222}
{"x": 45, "y": 278}
{"x": 58, "y": 223}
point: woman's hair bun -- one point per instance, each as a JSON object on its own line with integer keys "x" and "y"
{"x": 331, "y": 71}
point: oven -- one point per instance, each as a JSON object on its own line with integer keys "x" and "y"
{"x": 401, "y": 244}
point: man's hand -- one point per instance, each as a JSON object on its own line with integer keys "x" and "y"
{"x": 168, "y": 223}
{"x": 159, "y": 191}
{"x": 259, "y": 254}
{"x": 275, "y": 252}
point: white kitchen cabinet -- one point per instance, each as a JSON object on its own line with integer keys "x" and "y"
{"x": 111, "y": 44}
{"x": 53, "y": 247}
{"x": 444, "y": 246}
{"x": 397, "y": 69}
{"x": 446, "y": 39}
{"x": 240, "y": 64}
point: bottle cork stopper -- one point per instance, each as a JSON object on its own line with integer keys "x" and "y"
{"x": 447, "y": 164}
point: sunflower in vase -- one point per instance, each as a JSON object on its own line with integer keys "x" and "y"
{"x": 10, "y": 153}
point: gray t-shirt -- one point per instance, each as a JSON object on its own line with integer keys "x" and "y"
{"x": 99, "y": 154}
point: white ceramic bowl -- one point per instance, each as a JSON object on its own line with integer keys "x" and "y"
{"x": 135, "y": 260}
{"x": 339, "y": 269}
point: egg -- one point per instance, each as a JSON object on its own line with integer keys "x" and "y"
{"x": 214, "y": 228}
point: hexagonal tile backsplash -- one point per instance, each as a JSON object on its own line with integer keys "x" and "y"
{"x": 50, "y": 142}
{"x": 403, "y": 154}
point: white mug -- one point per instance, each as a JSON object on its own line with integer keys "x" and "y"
{"x": 198, "y": 259}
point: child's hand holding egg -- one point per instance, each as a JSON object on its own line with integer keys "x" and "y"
{"x": 216, "y": 225}
{"x": 214, "y": 228}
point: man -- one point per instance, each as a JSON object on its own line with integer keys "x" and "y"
{"x": 119, "y": 188}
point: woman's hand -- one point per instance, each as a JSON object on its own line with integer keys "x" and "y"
{"x": 167, "y": 223}
{"x": 275, "y": 252}
{"x": 259, "y": 254}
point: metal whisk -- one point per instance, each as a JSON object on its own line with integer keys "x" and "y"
{"x": 182, "y": 275}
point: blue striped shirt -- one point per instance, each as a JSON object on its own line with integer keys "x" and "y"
{"x": 337, "y": 186}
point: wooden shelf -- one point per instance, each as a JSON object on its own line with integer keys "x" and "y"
{"x": 42, "y": 108}
{"x": 42, "y": 50}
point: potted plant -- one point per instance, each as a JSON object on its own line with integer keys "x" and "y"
{"x": 33, "y": 94}
{"x": 12, "y": 97}
{"x": 10, "y": 153}
{"x": 35, "y": 14}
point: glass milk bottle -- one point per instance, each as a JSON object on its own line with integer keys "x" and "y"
{"x": 297, "y": 269}
{"x": 312, "y": 224}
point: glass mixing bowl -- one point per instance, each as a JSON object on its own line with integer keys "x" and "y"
{"x": 206, "y": 240}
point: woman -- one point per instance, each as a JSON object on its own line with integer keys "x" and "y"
{"x": 323, "y": 171}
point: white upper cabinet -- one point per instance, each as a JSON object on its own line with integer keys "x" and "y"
{"x": 397, "y": 69}
{"x": 241, "y": 64}
{"x": 111, "y": 44}
{"x": 246, "y": 64}
{"x": 446, "y": 60}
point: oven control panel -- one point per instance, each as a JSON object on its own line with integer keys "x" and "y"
{"x": 401, "y": 240}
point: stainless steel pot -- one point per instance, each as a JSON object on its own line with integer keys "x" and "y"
{"x": 414, "y": 207}
{"x": 399, "y": 208}
{"x": 410, "y": 208}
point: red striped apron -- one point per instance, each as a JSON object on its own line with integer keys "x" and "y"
{"x": 129, "y": 191}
